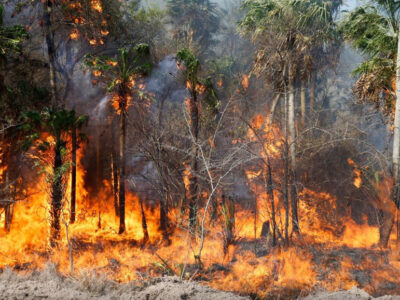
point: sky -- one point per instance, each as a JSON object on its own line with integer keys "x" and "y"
{"x": 350, "y": 4}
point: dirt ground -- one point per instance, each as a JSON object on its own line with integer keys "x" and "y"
{"x": 48, "y": 284}
{"x": 353, "y": 294}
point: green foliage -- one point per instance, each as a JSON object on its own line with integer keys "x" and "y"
{"x": 119, "y": 73}
{"x": 192, "y": 74}
{"x": 298, "y": 32}
{"x": 374, "y": 29}
{"x": 11, "y": 39}
{"x": 56, "y": 123}
{"x": 372, "y": 33}
{"x": 192, "y": 64}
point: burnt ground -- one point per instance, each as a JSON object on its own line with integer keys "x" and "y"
{"x": 336, "y": 268}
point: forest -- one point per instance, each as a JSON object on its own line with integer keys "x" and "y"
{"x": 203, "y": 149}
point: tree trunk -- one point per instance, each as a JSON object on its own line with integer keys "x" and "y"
{"x": 122, "y": 152}
{"x": 193, "y": 182}
{"x": 229, "y": 215}
{"x": 396, "y": 135}
{"x": 312, "y": 92}
{"x": 7, "y": 194}
{"x": 73, "y": 177}
{"x": 164, "y": 216}
{"x": 286, "y": 172}
{"x": 270, "y": 192}
{"x": 386, "y": 221}
{"x": 303, "y": 102}
{"x": 292, "y": 153}
{"x": 273, "y": 107}
{"x": 56, "y": 196}
{"x": 144, "y": 223}
{"x": 49, "y": 36}
{"x": 114, "y": 172}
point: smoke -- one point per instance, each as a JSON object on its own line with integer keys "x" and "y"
{"x": 165, "y": 81}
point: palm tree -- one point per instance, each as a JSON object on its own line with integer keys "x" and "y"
{"x": 293, "y": 26}
{"x": 121, "y": 74}
{"x": 374, "y": 30}
{"x": 57, "y": 124}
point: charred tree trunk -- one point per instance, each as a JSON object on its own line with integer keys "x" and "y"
{"x": 114, "y": 172}
{"x": 73, "y": 177}
{"x": 386, "y": 221}
{"x": 286, "y": 195}
{"x": 51, "y": 51}
{"x": 144, "y": 223}
{"x": 193, "y": 181}
{"x": 56, "y": 196}
{"x": 122, "y": 153}
{"x": 270, "y": 192}
{"x": 228, "y": 209}
{"x": 164, "y": 217}
{"x": 286, "y": 171}
{"x": 312, "y": 91}
{"x": 303, "y": 102}
{"x": 292, "y": 153}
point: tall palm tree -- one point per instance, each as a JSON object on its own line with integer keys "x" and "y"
{"x": 120, "y": 75}
{"x": 374, "y": 30}
{"x": 292, "y": 25}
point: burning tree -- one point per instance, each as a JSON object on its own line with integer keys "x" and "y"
{"x": 50, "y": 131}
{"x": 121, "y": 75}
{"x": 288, "y": 24}
{"x": 196, "y": 86}
{"x": 374, "y": 30}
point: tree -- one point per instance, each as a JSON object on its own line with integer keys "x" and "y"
{"x": 199, "y": 89}
{"x": 57, "y": 124}
{"x": 76, "y": 124}
{"x": 120, "y": 75}
{"x": 195, "y": 23}
{"x": 292, "y": 25}
{"x": 374, "y": 30}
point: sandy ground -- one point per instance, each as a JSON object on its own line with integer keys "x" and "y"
{"x": 353, "y": 294}
{"x": 48, "y": 284}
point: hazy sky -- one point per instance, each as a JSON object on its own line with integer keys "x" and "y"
{"x": 350, "y": 4}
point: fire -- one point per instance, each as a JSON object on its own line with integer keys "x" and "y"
{"x": 112, "y": 63}
{"x": 200, "y": 88}
{"x": 249, "y": 265}
{"x": 97, "y": 73}
{"x": 357, "y": 181}
{"x": 96, "y": 5}
{"x": 245, "y": 82}
{"x": 104, "y": 32}
{"x": 74, "y": 35}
